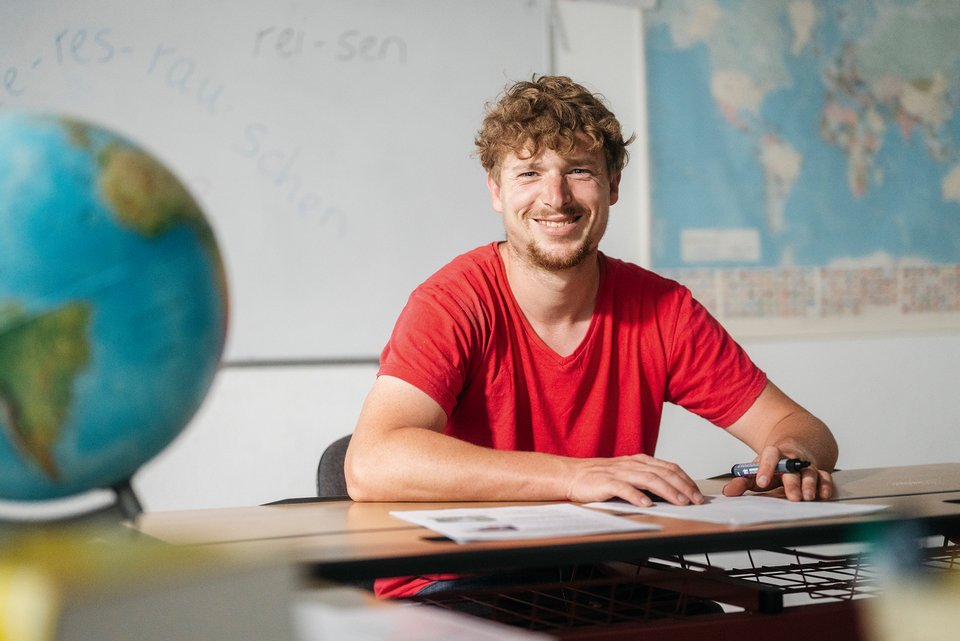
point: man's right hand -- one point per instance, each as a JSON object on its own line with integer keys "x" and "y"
{"x": 628, "y": 477}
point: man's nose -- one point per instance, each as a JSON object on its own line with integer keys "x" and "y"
{"x": 554, "y": 192}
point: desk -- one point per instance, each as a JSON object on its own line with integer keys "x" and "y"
{"x": 342, "y": 540}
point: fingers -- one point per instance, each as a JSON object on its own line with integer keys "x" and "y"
{"x": 665, "y": 480}
{"x": 629, "y": 477}
{"x": 810, "y": 484}
{"x": 801, "y": 486}
{"x": 632, "y": 495}
{"x": 826, "y": 484}
{"x": 737, "y": 487}
{"x": 768, "y": 460}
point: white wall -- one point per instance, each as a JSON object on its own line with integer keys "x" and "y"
{"x": 890, "y": 399}
{"x": 257, "y": 438}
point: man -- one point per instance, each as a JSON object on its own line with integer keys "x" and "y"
{"x": 536, "y": 368}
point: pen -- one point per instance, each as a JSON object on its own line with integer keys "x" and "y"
{"x": 785, "y": 466}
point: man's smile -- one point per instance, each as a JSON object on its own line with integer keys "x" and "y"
{"x": 557, "y": 223}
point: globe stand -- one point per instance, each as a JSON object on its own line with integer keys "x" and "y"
{"x": 113, "y": 506}
{"x": 127, "y": 502}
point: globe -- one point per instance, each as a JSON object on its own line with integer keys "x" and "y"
{"x": 113, "y": 307}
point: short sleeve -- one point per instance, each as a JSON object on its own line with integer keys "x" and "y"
{"x": 709, "y": 373}
{"x": 429, "y": 346}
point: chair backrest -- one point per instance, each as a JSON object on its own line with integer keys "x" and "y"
{"x": 331, "y": 482}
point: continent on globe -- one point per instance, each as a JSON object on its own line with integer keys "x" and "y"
{"x": 40, "y": 356}
{"x": 145, "y": 196}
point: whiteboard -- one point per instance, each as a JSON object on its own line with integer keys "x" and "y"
{"x": 329, "y": 142}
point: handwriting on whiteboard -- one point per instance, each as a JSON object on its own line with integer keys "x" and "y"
{"x": 274, "y": 161}
{"x": 350, "y": 45}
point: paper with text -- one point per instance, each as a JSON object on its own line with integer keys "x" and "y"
{"x": 519, "y": 522}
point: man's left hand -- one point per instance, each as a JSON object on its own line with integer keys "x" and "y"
{"x": 809, "y": 484}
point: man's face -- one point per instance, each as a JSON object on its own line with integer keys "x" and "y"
{"x": 554, "y": 207}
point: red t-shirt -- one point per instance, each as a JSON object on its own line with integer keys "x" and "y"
{"x": 463, "y": 340}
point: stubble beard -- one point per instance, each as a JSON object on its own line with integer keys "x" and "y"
{"x": 541, "y": 259}
{"x": 554, "y": 263}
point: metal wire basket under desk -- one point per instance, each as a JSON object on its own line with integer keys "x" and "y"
{"x": 688, "y": 597}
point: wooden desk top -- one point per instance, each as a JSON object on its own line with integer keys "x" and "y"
{"x": 346, "y": 540}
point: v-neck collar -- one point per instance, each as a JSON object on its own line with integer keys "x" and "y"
{"x": 534, "y": 337}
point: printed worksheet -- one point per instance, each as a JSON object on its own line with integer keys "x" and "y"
{"x": 519, "y": 522}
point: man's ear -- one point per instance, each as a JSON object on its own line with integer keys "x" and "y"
{"x": 493, "y": 185}
{"x": 615, "y": 187}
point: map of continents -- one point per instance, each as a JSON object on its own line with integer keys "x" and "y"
{"x": 815, "y": 143}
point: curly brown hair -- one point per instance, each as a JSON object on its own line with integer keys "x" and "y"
{"x": 550, "y": 112}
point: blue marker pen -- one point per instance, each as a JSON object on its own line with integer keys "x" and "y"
{"x": 785, "y": 466}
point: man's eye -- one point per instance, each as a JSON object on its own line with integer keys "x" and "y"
{"x": 581, "y": 171}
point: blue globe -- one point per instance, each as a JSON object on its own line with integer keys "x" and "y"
{"x": 113, "y": 307}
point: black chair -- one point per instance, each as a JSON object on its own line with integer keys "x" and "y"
{"x": 332, "y": 485}
{"x": 331, "y": 482}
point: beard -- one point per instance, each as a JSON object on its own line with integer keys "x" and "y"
{"x": 568, "y": 259}
{"x": 551, "y": 262}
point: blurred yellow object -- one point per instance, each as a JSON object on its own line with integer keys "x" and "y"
{"x": 916, "y": 609}
{"x": 60, "y": 584}
{"x": 28, "y": 603}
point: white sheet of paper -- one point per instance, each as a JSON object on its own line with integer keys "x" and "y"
{"x": 519, "y": 522}
{"x": 744, "y": 510}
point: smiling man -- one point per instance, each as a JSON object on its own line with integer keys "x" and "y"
{"x": 536, "y": 368}
{"x": 554, "y": 207}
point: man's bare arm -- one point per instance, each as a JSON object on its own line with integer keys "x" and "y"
{"x": 776, "y": 427}
{"x": 399, "y": 453}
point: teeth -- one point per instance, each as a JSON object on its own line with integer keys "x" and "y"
{"x": 554, "y": 223}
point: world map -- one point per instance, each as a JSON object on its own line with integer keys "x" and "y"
{"x": 804, "y": 155}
